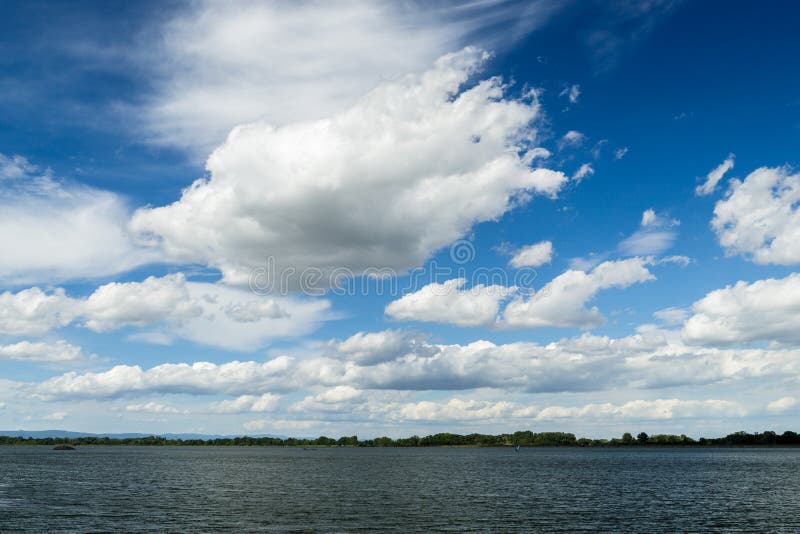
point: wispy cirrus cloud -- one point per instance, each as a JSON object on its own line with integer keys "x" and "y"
{"x": 218, "y": 65}
{"x": 713, "y": 178}
{"x": 54, "y": 230}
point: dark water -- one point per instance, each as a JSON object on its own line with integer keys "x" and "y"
{"x": 181, "y": 489}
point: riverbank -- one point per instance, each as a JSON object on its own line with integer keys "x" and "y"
{"x": 521, "y": 438}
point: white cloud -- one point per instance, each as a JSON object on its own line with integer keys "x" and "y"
{"x": 621, "y": 25}
{"x": 337, "y": 399}
{"x": 713, "y": 177}
{"x": 56, "y": 416}
{"x": 449, "y": 303}
{"x": 14, "y": 168}
{"x": 656, "y": 235}
{"x": 58, "y": 352}
{"x": 572, "y": 138}
{"x": 562, "y": 301}
{"x": 258, "y": 424}
{"x": 766, "y": 310}
{"x": 263, "y": 319}
{"x": 680, "y": 261}
{"x": 152, "y": 338}
{"x": 652, "y": 358}
{"x": 672, "y": 316}
{"x": 572, "y": 93}
{"x": 645, "y": 410}
{"x": 583, "y": 171}
{"x": 533, "y": 255}
{"x": 782, "y": 405}
{"x": 54, "y": 231}
{"x": 152, "y": 407}
{"x": 211, "y": 314}
{"x": 369, "y": 348}
{"x": 253, "y": 311}
{"x": 33, "y": 312}
{"x": 338, "y": 394}
{"x": 201, "y": 378}
{"x": 313, "y": 194}
{"x": 279, "y": 424}
{"x": 455, "y": 409}
{"x": 598, "y": 147}
{"x": 114, "y": 305}
{"x": 460, "y": 409}
{"x": 266, "y": 402}
{"x": 620, "y": 153}
{"x": 760, "y": 217}
{"x": 221, "y": 64}
{"x": 648, "y": 217}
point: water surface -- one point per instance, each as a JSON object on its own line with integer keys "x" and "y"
{"x": 400, "y": 490}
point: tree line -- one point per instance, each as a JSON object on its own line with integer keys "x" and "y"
{"x": 524, "y": 438}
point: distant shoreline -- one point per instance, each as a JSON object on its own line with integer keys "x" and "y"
{"x": 521, "y": 439}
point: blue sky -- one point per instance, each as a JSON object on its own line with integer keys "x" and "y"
{"x": 588, "y": 212}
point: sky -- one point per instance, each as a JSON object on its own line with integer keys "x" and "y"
{"x": 382, "y": 218}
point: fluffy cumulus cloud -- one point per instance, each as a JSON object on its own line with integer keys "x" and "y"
{"x": 58, "y": 352}
{"x": 153, "y": 407}
{"x": 713, "y": 177}
{"x": 198, "y": 378}
{"x": 765, "y": 310}
{"x": 336, "y": 399}
{"x": 238, "y": 319}
{"x": 52, "y": 230}
{"x": 313, "y": 194}
{"x": 672, "y": 316}
{"x": 783, "y": 404}
{"x": 138, "y": 303}
{"x": 533, "y": 255}
{"x": 211, "y": 314}
{"x": 279, "y": 424}
{"x": 759, "y": 218}
{"x": 458, "y": 409}
{"x": 34, "y": 311}
{"x": 449, "y": 302}
{"x": 650, "y": 359}
{"x": 266, "y": 402}
{"x": 645, "y": 410}
{"x": 369, "y": 348}
{"x": 455, "y": 409}
{"x": 563, "y": 300}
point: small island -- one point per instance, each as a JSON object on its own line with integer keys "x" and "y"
{"x": 63, "y": 448}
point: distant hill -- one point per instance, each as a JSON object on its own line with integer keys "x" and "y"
{"x": 71, "y": 434}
